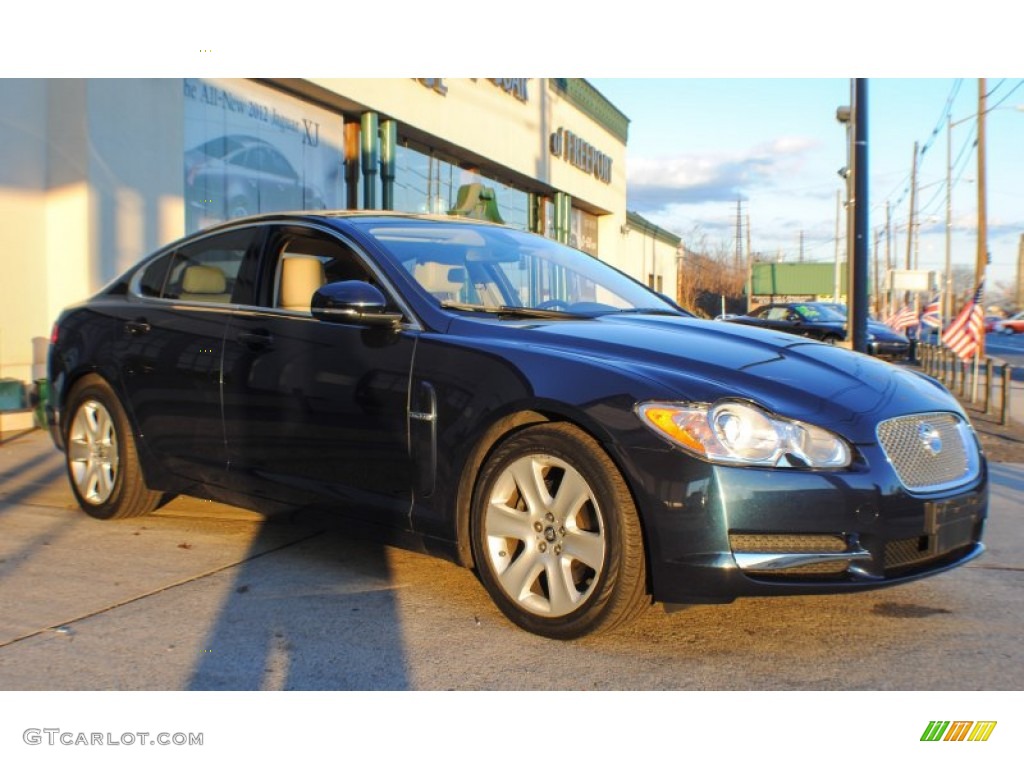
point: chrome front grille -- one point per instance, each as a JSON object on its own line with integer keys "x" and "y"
{"x": 930, "y": 451}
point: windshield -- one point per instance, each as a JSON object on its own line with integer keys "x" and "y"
{"x": 820, "y": 313}
{"x": 491, "y": 269}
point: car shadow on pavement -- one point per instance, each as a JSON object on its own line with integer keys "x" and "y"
{"x": 198, "y": 596}
{"x": 317, "y": 612}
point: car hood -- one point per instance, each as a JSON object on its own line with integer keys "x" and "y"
{"x": 701, "y": 360}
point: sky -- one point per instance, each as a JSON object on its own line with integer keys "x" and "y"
{"x": 697, "y": 146}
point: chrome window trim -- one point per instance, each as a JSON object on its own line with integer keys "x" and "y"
{"x": 412, "y": 321}
{"x": 133, "y": 284}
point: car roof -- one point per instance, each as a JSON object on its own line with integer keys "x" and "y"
{"x": 329, "y": 215}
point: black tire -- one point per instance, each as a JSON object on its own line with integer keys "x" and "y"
{"x": 101, "y": 458}
{"x": 555, "y": 534}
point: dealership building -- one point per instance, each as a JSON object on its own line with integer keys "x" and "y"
{"x": 96, "y": 173}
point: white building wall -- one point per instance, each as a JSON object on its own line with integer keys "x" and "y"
{"x": 23, "y": 269}
{"x": 643, "y": 255}
{"x": 90, "y": 181}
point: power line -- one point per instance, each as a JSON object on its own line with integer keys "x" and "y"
{"x": 1008, "y": 94}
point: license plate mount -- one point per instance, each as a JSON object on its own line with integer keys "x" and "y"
{"x": 950, "y": 523}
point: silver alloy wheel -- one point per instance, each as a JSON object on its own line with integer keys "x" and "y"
{"x": 92, "y": 452}
{"x": 545, "y": 536}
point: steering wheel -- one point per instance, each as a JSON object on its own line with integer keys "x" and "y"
{"x": 556, "y": 304}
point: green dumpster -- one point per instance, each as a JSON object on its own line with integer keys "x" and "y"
{"x": 41, "y": 399}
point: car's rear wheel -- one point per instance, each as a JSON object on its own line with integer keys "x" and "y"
{"x": 555, "y": 534}
{"x": 102, "y": 462}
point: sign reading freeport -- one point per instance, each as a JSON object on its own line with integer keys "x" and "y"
{"x": 958, "y": 730}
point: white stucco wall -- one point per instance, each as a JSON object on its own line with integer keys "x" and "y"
{"x": 90, "y": 181}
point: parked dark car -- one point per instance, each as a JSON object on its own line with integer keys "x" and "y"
{"x": 515, "y": 405}
{"x": 825, "y": 322}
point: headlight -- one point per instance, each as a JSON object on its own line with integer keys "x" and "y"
{"x": 732, "y": 432}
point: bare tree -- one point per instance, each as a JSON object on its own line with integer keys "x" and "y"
{"x": 710, "y": 272}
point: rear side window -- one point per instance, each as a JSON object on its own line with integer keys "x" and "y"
{"x": 209, "y": 271}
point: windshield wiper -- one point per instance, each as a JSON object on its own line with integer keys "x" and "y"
{"x": 508, "y": 311}
{"x": 649, "y": 311}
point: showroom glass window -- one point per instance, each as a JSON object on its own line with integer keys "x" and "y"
{"x": 429, "y": 184}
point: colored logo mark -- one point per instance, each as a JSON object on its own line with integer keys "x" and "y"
{"x": 958, "y": 730}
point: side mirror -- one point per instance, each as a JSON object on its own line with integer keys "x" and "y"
{"x": 353, "y": 302}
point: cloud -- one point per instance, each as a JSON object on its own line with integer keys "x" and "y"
{"x": 655, "y": 183}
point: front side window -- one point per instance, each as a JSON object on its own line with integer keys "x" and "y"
{"x": 304, "y": 261}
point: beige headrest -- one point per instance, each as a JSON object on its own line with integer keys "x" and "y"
{"x": 301, "y": 277}
{"x": 202, "y": 279}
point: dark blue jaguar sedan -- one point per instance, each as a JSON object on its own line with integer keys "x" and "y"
{"x": 512, "y": 404}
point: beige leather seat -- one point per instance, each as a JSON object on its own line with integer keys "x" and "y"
{"x": 202, "y": 283}
{"x": 300, "y": 277}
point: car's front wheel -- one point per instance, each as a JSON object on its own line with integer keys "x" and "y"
{"x": 555, "y": 534}
{"x": 102, "y": 462}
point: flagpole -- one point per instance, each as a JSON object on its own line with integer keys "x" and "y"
{"x": 974, "y": 381}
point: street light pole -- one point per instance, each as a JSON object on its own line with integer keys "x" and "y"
{"x": 858, "y": 288}
{"x": 982, "y": 258}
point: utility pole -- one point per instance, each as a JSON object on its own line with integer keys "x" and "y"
{"x": 982, "y": 259}
{"x": 913, "y": 206}
{"x": 888, "y": 258}
{"x": 835, "y": 272}
{"x": 750, "y": 268}
{"x": 877, "y": 293}
{"x": 801, "y": 246}
{"x": 739, "y": 232}
{"x": 1019, "y": 295}
{"x": 749, "y": 252}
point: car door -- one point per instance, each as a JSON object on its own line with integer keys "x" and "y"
{"x": 170, "y": 345}
{"x": 316, "y": 413}
{"x": 777, "y": 318}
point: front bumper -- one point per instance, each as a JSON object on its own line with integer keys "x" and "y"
{"x": 895, "y": 349}
{"x": 725, "y": 532}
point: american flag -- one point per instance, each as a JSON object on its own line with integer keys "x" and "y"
{"x": 966, "y": 334}
{"x": 930, "y": 314}
{"x": 903, "y": 319}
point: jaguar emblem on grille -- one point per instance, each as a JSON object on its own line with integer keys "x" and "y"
{"x": 930, "y": 439}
